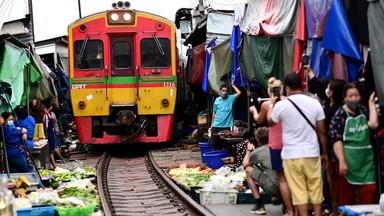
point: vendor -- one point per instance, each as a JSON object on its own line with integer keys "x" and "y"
{"x": 14, "y": 137}
{"x": 49, "y": 129}
{"x": 28, "y": 122}
{"x": 222, "y": 116}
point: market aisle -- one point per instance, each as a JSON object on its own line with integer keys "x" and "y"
{"x": 176, "y": 156}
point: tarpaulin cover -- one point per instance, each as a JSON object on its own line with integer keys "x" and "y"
{"x": 315, "y": 11}
{"x": 46, "y": 89}
{"x": 271, "y": 17}
{"x": 13, "y": 62}
{"x": 240, "y": 80}
{"x": 320, "y": 64}
{"x": 376, "y": 38}
{"x": 288, "y": 53}
{"x": 221, "y": 65}
{"x": 261, "y": 57}
{"x": 300, "y": 37}
{"x": 205, "y": 85}
{"x": 198, "y": 61}
{"x": 339, "y": 38}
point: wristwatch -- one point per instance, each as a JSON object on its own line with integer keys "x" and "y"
{"x": 249, "y": 150}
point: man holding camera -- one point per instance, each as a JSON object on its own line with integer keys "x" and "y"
{"x": 302, "y": 119}
{"x": 222, "y": 116}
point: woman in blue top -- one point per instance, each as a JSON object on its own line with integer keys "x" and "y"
{"x": 28, "y": 122}
{"x": 14, "y": 137}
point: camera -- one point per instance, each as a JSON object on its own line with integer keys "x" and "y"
{"x": 276, "y": 92}
{"x": 305, "y": 60}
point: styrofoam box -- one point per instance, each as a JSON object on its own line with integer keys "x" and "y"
{"x": 218, "y": 197}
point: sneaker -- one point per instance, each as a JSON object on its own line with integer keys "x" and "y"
{"x": 258, "y": 210}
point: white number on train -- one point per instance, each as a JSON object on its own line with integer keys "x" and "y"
{"x": 169, "y": 84}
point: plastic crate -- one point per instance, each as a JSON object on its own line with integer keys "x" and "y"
{"x": 247, "y": 198}
{"x": 36, "y": 211}
{"x": 77, "y": 211}
{"x": 218, "y": 197}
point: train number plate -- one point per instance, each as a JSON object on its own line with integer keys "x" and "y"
{"x": 169, "y": 84}
{"x": 79, "y": 86}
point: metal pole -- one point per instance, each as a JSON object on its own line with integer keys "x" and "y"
{"x": 79, "y": 3}
{"x": 378, "y": 152}
{"x": 28, "y": 80}
{"x": 249, "y": 105}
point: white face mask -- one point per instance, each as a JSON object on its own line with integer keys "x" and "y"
{"x": 328, "y": 92}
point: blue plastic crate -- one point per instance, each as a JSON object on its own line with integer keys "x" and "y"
{"x": 36, "y": 211}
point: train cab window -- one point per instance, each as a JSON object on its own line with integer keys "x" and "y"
{"x": 155, "y": 52}
{"x": 122, "y": 55}
{"x": 89, "y": 54}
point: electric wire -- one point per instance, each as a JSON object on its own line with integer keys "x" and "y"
{"x": 9, "y": 13}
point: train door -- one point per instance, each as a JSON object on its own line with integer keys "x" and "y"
{"x": 122, "y": 56}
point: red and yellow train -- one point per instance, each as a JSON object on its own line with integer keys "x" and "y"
{"x": 123, "y": 77}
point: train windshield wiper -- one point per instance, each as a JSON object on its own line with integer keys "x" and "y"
{"x": 158, "y": 44}
{"x": 82, "y": 50}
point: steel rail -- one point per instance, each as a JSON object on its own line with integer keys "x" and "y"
{"x": 186, "y": 199}
{"x": 102, "y": 185}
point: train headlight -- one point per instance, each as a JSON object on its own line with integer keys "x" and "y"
{"x": 165, "y": 102}
{"x": 114, "y": 17}
{"x": 121, "y": 17}
{"x": 82, "y": 104}
{"x": 127, "y": 16}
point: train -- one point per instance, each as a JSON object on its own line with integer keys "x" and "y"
{"x": 123, "y": 76}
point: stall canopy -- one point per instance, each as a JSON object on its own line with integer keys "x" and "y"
{"x": 221, "y": 66}
{"x": 270, "y": 17}
{"x": 15, "y": 75}
{"x": 338, "y": 38}
{"x": 261, "y": 57}
{"x": 376, "y": 38}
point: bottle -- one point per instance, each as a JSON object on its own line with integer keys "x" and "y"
{"x": 7, "y": 201}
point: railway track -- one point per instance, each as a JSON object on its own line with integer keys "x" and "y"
{"x": 135, "y": 185}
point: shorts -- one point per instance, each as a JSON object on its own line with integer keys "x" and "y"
{"x": 276, "y": 161}
{"x": 304, "y": 179}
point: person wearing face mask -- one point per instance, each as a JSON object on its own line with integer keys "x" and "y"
{"x": 222, "y": 116}
{"x": 332, "y": 93}
{"x": 350, "y": 134}
{"x": 14, "y": 137}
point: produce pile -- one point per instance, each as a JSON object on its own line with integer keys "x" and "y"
{"x": 64, "y": 175}
{"x": 222, "y": 179}
{"x": 78, "y": 193}
{"x": 73, "y": 190}
{"x": 190, "y": 175}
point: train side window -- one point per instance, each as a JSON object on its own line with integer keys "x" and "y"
{"x": 151, "y": 54}
{"x": 89, "y": 54}
{"x": 122, "y": 55}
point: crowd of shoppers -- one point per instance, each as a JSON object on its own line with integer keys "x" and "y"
{"x": 317, "y": 146}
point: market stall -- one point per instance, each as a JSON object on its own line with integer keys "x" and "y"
{"x": 67, "y": 193}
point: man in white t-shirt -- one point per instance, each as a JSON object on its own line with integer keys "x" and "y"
{"x": 301, "y": 152}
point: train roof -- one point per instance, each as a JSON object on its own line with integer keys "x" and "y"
{"x": 105, "y": 12}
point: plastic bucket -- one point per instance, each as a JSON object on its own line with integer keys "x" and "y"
{"x": 213, "y": 158}
{"x": 204, "y": 147}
